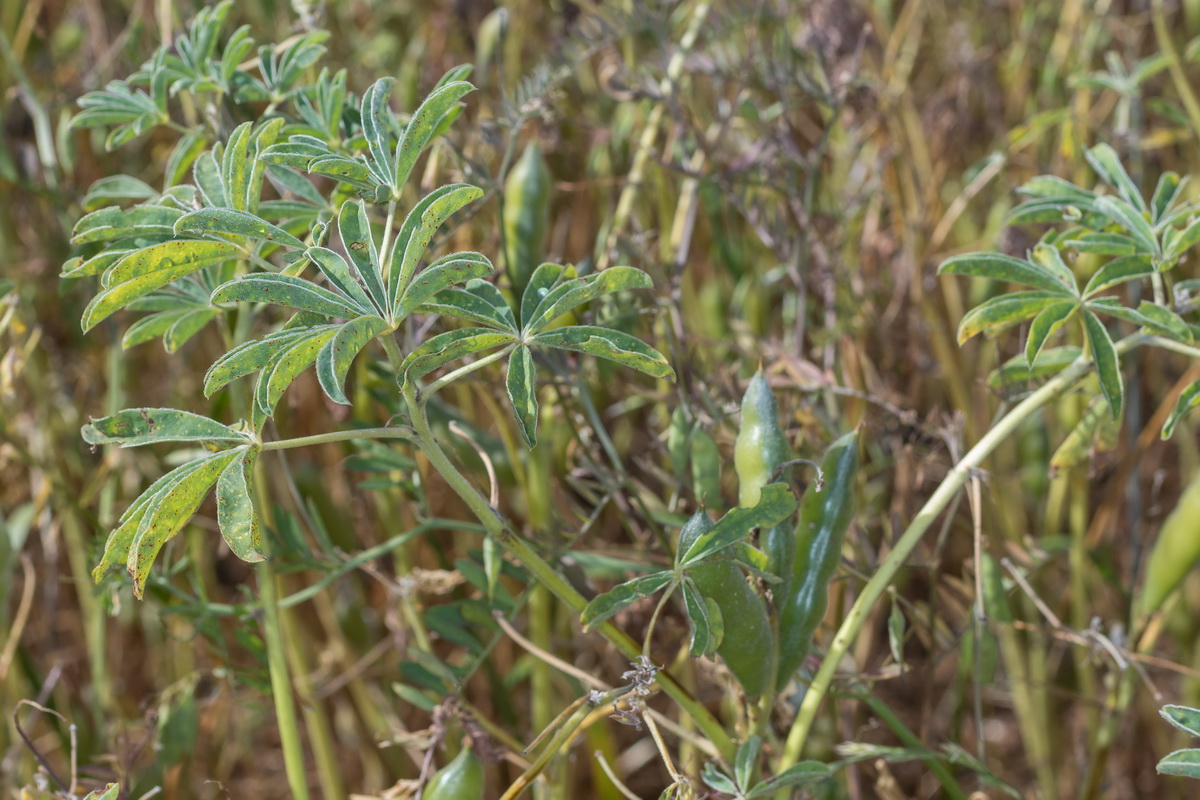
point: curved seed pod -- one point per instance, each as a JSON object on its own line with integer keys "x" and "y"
{"x": 526, "y": 216}
{"x": 1176, "y": 551}
{"x": 747, "y": 642}
{"x": 824, "y": 518}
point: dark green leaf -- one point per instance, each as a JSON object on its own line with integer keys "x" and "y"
{"x": 376, "y": 125}
{"x": 1104, "y": 244}
{"x": 621, "y": 596}
{"x": 1036, "y": 211}
{"x": 418, "y": 229}
{"x": 775, "y": 504}
{"x": 1165, "y": 193}
{"x": 705, "y": 639}
{"x": 116, "y": 188}
{"x": 289, "y": 291}
{"x": 1108, "y": 367}
{"x": 334, "y": 360}
{"x": 1045, "y": 324}
{"x": 355, "y": 230}
{"x": 806, "y": 773}
{"x": 746, "y": 760}
{"x": 1132, "y": 221}
{"x": 249, "y": 357}
{"x": 288, "y": 365}
{"x": 472, "y": 304}
{"x": 541, "y": 283}
{"x": 235, "y": 510}
{"x": 134, "y": 427}
{"x": 235, "y": 166}
{"x": 611, "y": 344}
{"x": 1000, "y": 267}
{"x": 717, "y": 780}
{"x": 522, "y": 392}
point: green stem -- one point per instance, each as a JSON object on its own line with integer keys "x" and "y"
{"x": 385, "y": 251}
{"x": 467, "y": 369}
{"x": 1165, "y": 44}
{"x": 544, "y": 574}
{"x": 933, "y": 507}
{"x": 339, "y": 436}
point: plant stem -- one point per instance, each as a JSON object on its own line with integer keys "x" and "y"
{"x": 545, "y": 574}
{"x": 1165, "y": 44}
{"x": 339, "y": 436}
{"x": 933, "y": 507}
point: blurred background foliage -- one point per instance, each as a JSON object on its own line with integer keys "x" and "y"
{"x": 791, "y": 191}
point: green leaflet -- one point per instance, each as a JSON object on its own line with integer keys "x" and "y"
{"x": 1131, "y": 221}
{"x": 621, "y": 596}
{"x": 375, "y": 118}
{"x": 544, "y": 279}
{"x": 235, "y": 509}
{"x": 474, "y": 304}
{"x": 335, "y": 358}
{"x": 235, "y": 223}
{"x": 1107, "y": 163}
{"x": 288, "y": 365}
{"x": 441, "y": 274}
{"x": 1165, "y": 193}
{"x": 522, "y": 392}
{"x": 573, "y": 293}
{"x": 776, "y": 503}
{"x": 418, "y": 229}
{"x": 206, "y": 172}
{"x": 338, "y": 272}
{"x": 1002, "y": 312}
{"x": 154, "y": 267}
{"x": 1183, "y": 718}
{"x": 1155, "y": 318}
{"x": 167, "y": 513}
{"x": 1000, "y": 267}
{"x": 354, "y": 228}
{"x": 708, "y": 626}
{"x": 134, "y": 427}
{"x": 1108, "y": 368}
{"x": 115, "y": 222}
{"x": 248, "y": 357}
{"x": 1181, "y": 763}
{"x": 1052, "y": 317}
{"x": 1118, "y": 271}
{"x": 440, "y": 350}
{"x": 1050, "y": 259}
{"x": 424, "y": 125}
{"x": 1189, "y": 398}
{"x": 78, "y": 267}
{"x": 611, "y": 344}
{"x": 289, "y": 291}
{"x": 235, "y": 166}
{"x": 1104, "y": 244}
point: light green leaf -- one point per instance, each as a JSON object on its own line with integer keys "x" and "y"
{"x": 169, "y": 511}
{"x": 289, "y": 291}
{"x": 1103, "y": 244}
{"x": 289, "y": 365}
{"x": 346, "y": 170}
{"x": 235, "y": 165}
{"x": 806, "y": 773}
{"x": 354, "y": 227}
{"x": 622, "y": 596}
{"x": 1036, "y": 211}
{"x": 235, "y": 509}
{"x": 423, "y": 125}
{"x": 1108, "y": 367}
{"x": 993, "y": 316}
{"x": 543, "y": 281}
{"x": 610, "y": 344}
{"x": 115, "y": 222}
{"x": 236, "y": 223}
{"x": 1107, "y": 163}
{"x": 134, "y": 427}
{"x": 440, "y": 350}
{"x": 111, "y": 791}
{"x": 1182, "y": 717}
{"x": 206, "y": 172}
{"x": 571, "y": 294}
{"x": 116, "y": 188}
{"x": 1183, "y": 240}
{"x": 747, "y": 760}
{"x": 1000, "y": 267}
{"x": 1052, "y": 187}
{"x": 418, "y": 229}
{"x": 522, "y": 392}
{"x": 1155, "y": 318}
{"x": 1133, "y": 222}
{"x": 703, "y": 613}
{"x": 1118, "y": 271}
{"x": 183, "y": 155}
{"x": 776, "y": 503}
{"x": 250, "y": 357}
{"x": 154, "y": 267}
{"x": 1189, "y": 398}
{"x": 1017, "y": 369}
{"x": 1048, "y": 258}
{"x": 473, "y": 305}
{"x": 78, "y": 267}
{"x": 1182, "y": 763}
{"x": 335, "y": 358}
{"x": 186, "y": 326}
{"x": 376, "y": 119}
{"x": 441, "y": 274}
{"x": 1045, "y": 324}
{"x": 1168, "y": 188}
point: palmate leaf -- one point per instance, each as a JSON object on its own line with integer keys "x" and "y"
{"x": 235, "y": 510}
{"x": 135, "y": 427}
{"x": 1118, "y": 271}
{"x": 290, "y": 292}
{"x": 609, "y": 344}
{"x": 1045, "y": 324}
{"x": 335, "y": 358}
{"x": 274, "y": 378}
{"x": 522, "y": 392}
{"x": 621, "y": 596}
{"x": 1151, "y": 316}
{"x": 249, "y": 357}
{"x": 442, "y": 274}
{"x": 232, "y": 222}
{"x": 439, "y": 350}
{"x": 418, "y": 229}
{"x": 1132, "y": 221}
{"x": 1181, "y": 763}
{"x": 1000, "y": 267}
{"x": 477, "y": 302}
{"x": 568, "y": 295}
{"x": 114, "y": 222}
{"x": 354, "y": 228}
{"x": 1000, "y": 313}
{"x": 541, "y": 283}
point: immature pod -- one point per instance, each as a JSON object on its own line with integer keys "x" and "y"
{"x": 526, "y": 216}
{"x": 746, "y": 645}
{"x": 461, "y": 779}
{"x": 1176, "y": 551}
{"x": 824, "y": 517}
{"x": 759, "y": 450}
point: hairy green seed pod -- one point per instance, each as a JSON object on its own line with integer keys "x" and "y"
{"x": 824, "y": 517}
{"x": 526, "y": 216}
{"x": 1176, "y": 551}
